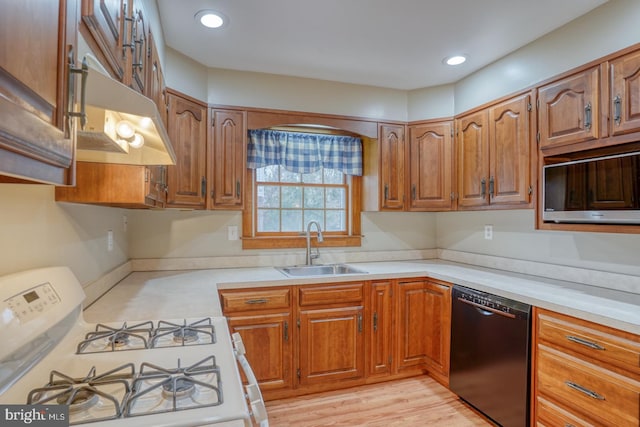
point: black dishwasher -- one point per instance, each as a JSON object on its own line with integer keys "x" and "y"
{"x": 490, "y": 347}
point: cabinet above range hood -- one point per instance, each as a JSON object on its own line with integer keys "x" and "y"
{"x": 108, "y": 104}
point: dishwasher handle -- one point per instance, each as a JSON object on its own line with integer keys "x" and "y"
{"x": 488, "y": 309}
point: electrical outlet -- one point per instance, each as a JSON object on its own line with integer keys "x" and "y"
{"x": 488, "y": 232}
{"x": 232, "y": 232}
{"x": 110, "y": 240}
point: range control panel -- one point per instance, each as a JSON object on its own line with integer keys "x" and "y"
{"x": 33, "y": 302}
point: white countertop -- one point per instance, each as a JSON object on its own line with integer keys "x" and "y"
{"x": 193, "y": 294}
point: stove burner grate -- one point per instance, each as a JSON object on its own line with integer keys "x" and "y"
{"x": 169, "y": 334}
{"x": 107, "y": 338}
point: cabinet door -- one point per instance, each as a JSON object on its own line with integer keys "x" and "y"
{"x": 39, "y": 46}
{"x": 381, "y": 336}
{"x": 473, "y": 159}
{"x": 392, "y": 158}
{"x": 625, "y": 94}
{"x": 430, "y": 166}
{"x": 569, "y": 110}
{"x": 331, "y": 345}
{"x": 411, "y": 312}
{"x": 156, "y": 89}
{"x": 267, "y": 341}
{"x": 104, "y": 19}
{"x": 229, "y": 158}
{"x": 510, "y": 151}
{"x": 187, "y": 128}
{"x": 437, "y": 300}
{"x": 137, "y": 47}
{"x": 156, "y": 178}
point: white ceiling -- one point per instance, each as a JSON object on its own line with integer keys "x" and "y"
{"x": 396, "y": 44}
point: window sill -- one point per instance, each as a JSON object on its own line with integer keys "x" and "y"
{"x": 299, "y": 242}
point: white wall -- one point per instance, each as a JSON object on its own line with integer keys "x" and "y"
{"x": 514, "y": 237}
{"x": 38, "y": 232}
{"x": 189, "y": 234}
{"x": 609, "y": 28}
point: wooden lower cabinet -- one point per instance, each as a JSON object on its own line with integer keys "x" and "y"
{"x": 584, "y": 373}
{"x": 380, "y": 337}
{"x": 423, "y": 312}
{"x": 267, "y": 341}
{"x": 331, "y": 345}
{"x": 309, "y": 338}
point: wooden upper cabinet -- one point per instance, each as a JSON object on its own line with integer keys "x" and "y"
{"x": 569, "y": 109}
{"x": 104, "y": 20}
{"x": 137, "y": 42}
{"x": 391, "y": 166}
{"x": 187, "y": 128}
{"x": 472, "y": 133}
{"x": 625, "y": 94}
{"x": 37, "y": 141}
{"x": 430, "y": 166}
{"x": 155, "y": 87}
{"x": 510, "y": 151}
{"x": 229, "y": 158}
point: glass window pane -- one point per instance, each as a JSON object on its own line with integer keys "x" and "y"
{"x": 313, "y": 215}
{"x": 267, "y": 174}
{"x": 313, "y": 178}
{"x": 313, "y": 197}
{"x": 333, "y": 176}
{"x": 268, "y": 196}
{"x": 286, "y": 176}
{"x": 291, "y": 197}
{"x": 336, "y": 221}
{"x": 292, "y": 220}
{"x": 268, "y": 220}
{"x": 336, "y": 198}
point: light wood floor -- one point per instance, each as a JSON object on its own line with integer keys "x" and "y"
{"x": 418, "y": 401}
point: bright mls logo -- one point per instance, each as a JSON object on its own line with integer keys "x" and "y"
{"x": 35, "y": 415}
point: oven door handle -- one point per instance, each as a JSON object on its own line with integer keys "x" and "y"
{"x": 254, "y": 396}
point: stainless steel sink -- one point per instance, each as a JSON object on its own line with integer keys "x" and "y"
{"x": 320, "y": 270}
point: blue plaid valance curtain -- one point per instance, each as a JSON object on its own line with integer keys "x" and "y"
{"x": 304, "y": 152}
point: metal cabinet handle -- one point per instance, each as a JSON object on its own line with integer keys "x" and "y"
{"x": 84, "y": 72}
{"x": 386, "y": 191}
{"x": 483, "y": 187}
{"x": 128, "y": 20}
{"x": 257, "y": 301}
{"x": 286, "y": 331}
{"x": 617, "y": 108}
{"x": 375, "y": 322}
{"x": 413, "y": 191}
{"x": 492, "y": 188}
{"x": 584, "y": 342}
{"x": 238, "y": 188}
{"x": 584, "y": 390}
{"x": 203, "y": 186}
{"x": 587, "y": 116}
{"x": 359, "y": 322}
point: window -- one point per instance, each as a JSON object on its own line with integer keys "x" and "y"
{"x": 320, "y": 182}
{"x": 287, "y": 201}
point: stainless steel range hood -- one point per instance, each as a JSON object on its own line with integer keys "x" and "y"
{"x": 109, "y": 102}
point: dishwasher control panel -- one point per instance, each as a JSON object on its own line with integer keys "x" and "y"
{"x": 489, "y": 301}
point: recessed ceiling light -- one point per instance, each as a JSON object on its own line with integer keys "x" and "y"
{"x": 211, "y": 18}
{"x": 455, "y": 60}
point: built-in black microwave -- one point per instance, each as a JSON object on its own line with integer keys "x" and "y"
{"x": 597, "y": 190}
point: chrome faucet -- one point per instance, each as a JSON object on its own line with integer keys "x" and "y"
{"x": 311, "y": 257}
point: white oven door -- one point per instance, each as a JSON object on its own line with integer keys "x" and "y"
{"x": 254, "y": 396}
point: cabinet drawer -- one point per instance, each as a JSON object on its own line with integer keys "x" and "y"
{"x": 331, "y": 294}
{"x": 549, "y": 415}
{"x": 607, "y": 397}
{"x": 599, "y": 344}
{"x": 233, "y": 301}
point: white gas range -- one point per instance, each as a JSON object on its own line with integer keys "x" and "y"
{"x": 179, "y": 372}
